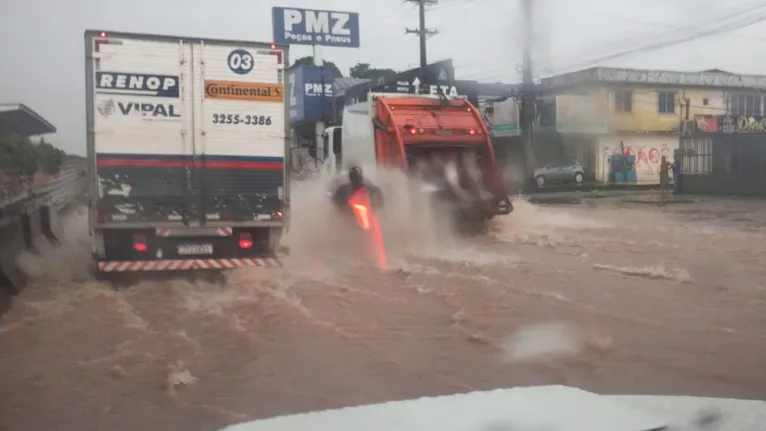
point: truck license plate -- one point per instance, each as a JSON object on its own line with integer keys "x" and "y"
{"x": 195, "y": 249}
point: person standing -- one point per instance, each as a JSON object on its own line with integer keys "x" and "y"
{"x": 665, "y": 168}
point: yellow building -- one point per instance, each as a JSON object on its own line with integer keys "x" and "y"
{"x": 604, "y": 111}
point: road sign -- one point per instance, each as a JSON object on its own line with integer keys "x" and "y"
{"x": 403, "y": 82}
{"x": 293, "y": 26}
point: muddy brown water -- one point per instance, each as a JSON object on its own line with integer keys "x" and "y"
{"x": 602, "y": 296}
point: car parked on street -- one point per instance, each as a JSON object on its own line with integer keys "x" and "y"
{"x": 569, "y": 171}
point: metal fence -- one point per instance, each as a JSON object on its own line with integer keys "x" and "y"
{"x": 724, "y": 164}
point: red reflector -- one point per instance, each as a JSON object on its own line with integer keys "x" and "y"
{"x": 139, "y": 243}
{"x": 245, "y": 240}
{"x": 273, "y": 46}
{"x": 103, "y": 34}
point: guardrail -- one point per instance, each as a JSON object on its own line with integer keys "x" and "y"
{"x": 29, "y": 222}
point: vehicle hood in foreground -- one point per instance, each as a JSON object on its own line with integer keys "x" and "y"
{"x": 537, "y": 408}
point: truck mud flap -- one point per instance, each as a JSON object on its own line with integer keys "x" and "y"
{"x": 187, "y": 264}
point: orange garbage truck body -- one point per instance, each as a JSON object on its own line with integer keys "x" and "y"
{"x": 441, "y": 141}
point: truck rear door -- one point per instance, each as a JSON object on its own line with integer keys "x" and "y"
{"x": 141, "y": 128}
{"x": 240, "y": 124}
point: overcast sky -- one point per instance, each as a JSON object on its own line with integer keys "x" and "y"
{"x": 42, "y": 48}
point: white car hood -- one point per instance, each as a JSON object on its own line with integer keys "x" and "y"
{"x": 538, "y": 408}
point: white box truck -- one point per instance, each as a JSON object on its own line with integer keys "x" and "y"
{"x": 187, "y": 141}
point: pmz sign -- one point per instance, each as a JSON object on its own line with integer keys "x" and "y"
{"x": 310, "y": 93}
{"x": 294, "y": 26}
{"x": 317, "y": 89}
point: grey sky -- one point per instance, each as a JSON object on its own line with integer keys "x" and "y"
{"x": 42, "y": 52}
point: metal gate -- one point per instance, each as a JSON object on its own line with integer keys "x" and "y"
{"x": 724, "y": 164}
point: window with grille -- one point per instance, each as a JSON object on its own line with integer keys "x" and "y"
{"x": 623, "y": 101}
{"x": 666, "y": 102}
{"x": 745, "y": 104}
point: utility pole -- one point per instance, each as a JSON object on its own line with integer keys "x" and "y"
{"x": 423, "y": 34}
{"x": 528, "y": 93}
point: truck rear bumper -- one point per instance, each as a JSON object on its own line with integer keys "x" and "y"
{"x": 186, "y": 264}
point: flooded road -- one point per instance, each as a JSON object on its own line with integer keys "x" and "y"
{"x": 606, "y": 296}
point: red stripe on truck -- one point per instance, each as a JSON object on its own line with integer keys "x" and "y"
{"x": 211, "y": 164}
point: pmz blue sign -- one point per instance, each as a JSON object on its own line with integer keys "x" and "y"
{"x": 310, "y": 93}
{"x": 293, "y": 26}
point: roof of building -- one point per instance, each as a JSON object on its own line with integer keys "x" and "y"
{"x": 708, "y": 78}
{"x": 342, "y": 84}
{"x": 21, "y": 120}
{"x": 491, "y": 91}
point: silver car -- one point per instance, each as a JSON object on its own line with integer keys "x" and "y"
{"x": 563, "y": 172}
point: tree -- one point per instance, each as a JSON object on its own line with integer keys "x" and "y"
{"x": 309, "y": 61}
{"x": 364, "y": 71}
{"x": 20, "y": 155}
{"x": 52, "y": 158}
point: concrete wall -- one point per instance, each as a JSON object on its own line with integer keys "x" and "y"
{"x": 645, "y": 116}
{"x": 33, "y": 225}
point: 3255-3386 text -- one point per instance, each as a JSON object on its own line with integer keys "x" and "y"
{"x": 249, "y": 120}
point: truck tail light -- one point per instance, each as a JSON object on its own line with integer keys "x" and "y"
{"x": 245, "y": 240}
{"x": 471, "y": 132}
{"x": 139, "y": 243}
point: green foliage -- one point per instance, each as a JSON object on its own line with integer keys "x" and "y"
{"x": 364, "y": 71}
{"x": 309, "y": 61}
{"x": 19, "y": 155}
{"x": 52, "y": 158}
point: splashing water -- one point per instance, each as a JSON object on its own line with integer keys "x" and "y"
{"x": 410, "y": 224}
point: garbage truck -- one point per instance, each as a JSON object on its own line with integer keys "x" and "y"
{"x": 439, "y": 140}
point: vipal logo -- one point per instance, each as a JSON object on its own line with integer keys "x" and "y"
{"x": 105, "y": 107}
{"x": 316, "y": 27}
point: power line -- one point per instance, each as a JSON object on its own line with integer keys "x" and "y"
{"x": 713, "y": 20}
{"x": 653, "y": 46}
{"x": 423, "y": 34}
{"x": 382, "y": 28}
{"x": 716, "y": 26}
{"x": 719, "y": 25}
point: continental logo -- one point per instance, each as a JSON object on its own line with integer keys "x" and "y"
{"x": 250, "y": 91}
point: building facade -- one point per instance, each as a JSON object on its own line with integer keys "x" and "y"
{"x": 639, "y": 115}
